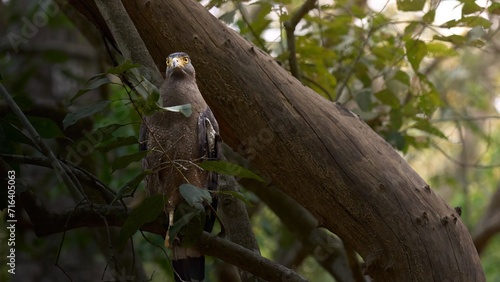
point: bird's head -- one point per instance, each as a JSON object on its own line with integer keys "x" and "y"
{"x": 179, "y": 64}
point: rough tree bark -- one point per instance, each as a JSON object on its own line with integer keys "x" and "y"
{"x": 317, "y": 152}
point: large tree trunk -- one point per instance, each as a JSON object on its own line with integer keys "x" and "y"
{"x": 317, "y": 152}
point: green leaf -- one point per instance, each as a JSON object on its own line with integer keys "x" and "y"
{"x": 409, "y": 29}
{"x": 228, "y": 168}
{"x": 470, "y": 7}
{"x": 364, "y": 99}
{"x": 411, "y": 141}
{"x": 429, "y": 98}
{"x": 379, "y": 20}
{"x": 475, "y": 33}
{"x": 130, "y": 186}
{"x": 382, "y": 52}
{"x": 55, "y": 56}
{"x": 141, "y": 85}
{"x": 84, "y": 111}
{"x": 455, "y": 39}
{"x": 147, "y": 212}
{"x": 429, "y": 16}
{"x": 474, "y": 21}
{"x": 116, "y": 143}
{"x": 185, "y": 109}
{"x": 357, "y": 11}
{"x": 471, "y": 21}
{"x": 47, "y": 128}
{"x": 426, "y": 126}
{"x": 437, "y": 50}
{"x": 149, "y": 104}
{"x": 415, "y": 52}
{"x": 396, "y": 139}
{"x": 494, "y": 8}
{"x": 14, "y": 134}
{"x": 124, "y": 161}
{"x": 402, "y": 77}
{"x": 362, "y": 73}
{"x": 124, "y": 66}
{"x": 93, "y": 83}
{"x": 228, "y": 17}
{"x": 396, "y": 119}
{"x": 181, "y": 222}
{"x": 388, "y": 98}
{"x": 195, "y": 196}
{"x": 410, "y": 5}
{"x": 451, "y": 23}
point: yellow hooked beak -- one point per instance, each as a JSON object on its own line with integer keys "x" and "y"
{"x": 177, "y": 62}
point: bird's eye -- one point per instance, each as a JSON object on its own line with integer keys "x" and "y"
{"x": 185, "y": 60}
{"x": 169, "y": 62}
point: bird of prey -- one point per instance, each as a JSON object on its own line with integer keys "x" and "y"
{"x": 176, "y": 144}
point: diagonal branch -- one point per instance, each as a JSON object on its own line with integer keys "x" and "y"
{"x": 321, "y": 244}
{"x": 128, "y": 39}
{"x": 48, "y": 222}
{"x": 245, "y": 259}
{"x": 42, "y": 147}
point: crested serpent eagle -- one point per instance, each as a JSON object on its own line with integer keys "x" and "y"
{"x": 176, "y": 144}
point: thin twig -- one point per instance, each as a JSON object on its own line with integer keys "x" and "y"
{"x": 154, "y": 244}
{"x": 56, "y": 263}
{"x": 328, "y": 94}
{"x": 478, "y": 166}
{"x": 465, "y": 118}
{"x": 290, "y": 26}
{"x": 463, "y": 171}
{"x": 244, "y": 17}
{"x": 81, "y": 174}
{"x": 350, "y": 72}
{"x": 320, "y": 27}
